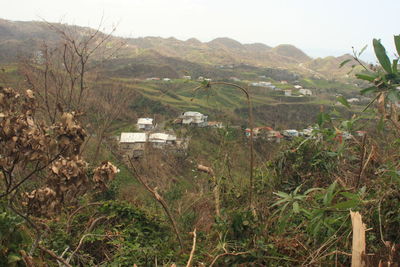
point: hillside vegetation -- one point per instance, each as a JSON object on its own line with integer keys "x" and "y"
{"x": 70, "y": 195}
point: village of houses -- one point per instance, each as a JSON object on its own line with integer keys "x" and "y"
{"x": 133, "y": 144}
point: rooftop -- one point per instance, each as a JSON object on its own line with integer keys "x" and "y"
{"x": 133, "y": 138}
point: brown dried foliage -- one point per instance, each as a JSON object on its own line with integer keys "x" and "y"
{"x": 49, "y": 155}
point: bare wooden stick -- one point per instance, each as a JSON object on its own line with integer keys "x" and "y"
{"x": 27, "y": 259}
{"x": 159, "y": 198}
{"x": 358, "y": 248}
{"x": 216, "y": 191}
{"x": 189, "y": 263}
{"x": 227, "y": 254}
{"x": 54, "y": 256}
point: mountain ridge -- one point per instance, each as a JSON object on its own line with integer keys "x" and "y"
{"x": 21, "y": 38}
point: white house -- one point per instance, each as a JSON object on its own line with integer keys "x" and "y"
{"x": 160, "y": 140}
{"x": 187, "y": 77}
{"x": 306, "y": 92}
{"x": 194, "y": 118}
{"x": 353, "y": 100}
{"x": 298, "y": 87}
{"x": 133, "y": 144}
{"x": 215, "y": 124}
{"x": 288, "y": 92}
{"x": 145, "y": 124}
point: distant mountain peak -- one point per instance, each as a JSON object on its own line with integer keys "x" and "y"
{"x": 227, "y": 42}
{"x": 289, "y": 50}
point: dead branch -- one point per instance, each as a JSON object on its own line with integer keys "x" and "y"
{"x": 189, "y": 263}
{"x": 54, "y": 256}
{"x": 159, "y": 198}
{"x": 363, "y": 151}
{"x": 358, "y": 247}
{"x": 27, "y": 259}
{"x": 216, "y": 191}
{"x": 80, "y": 245}
{"x": 77, "y": 210}
{"x": 227, "y": 254}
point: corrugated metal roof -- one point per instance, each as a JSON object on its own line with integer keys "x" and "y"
{"x": 162, "y": 137}
{"x": 145, "y": 121}
{"x": 192, "y": 113}
{"x": 133, "y": 138}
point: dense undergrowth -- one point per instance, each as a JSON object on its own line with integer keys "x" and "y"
{"x": 298, "y": 212}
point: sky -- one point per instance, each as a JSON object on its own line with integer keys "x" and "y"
{"x": 318, "y": 27}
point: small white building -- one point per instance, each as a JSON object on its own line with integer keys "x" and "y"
{"x": 215, "y": 124}
{"x": 166, "y": 79}
{"x": 133, "y": 144}
{"x": 194, "y": 118}
{"x": 187, "y": 77}
{"x": 298, "y": 87}
{"x": 160, "y": 140}
{"x": 306, "y": 92}
{"x": 288, "y": 92}
{"x": 288, "y": 134}
{"x": 353, "y": 100}
{"x": 145, "y": 124}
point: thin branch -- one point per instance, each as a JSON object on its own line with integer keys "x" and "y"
{"x": 54, "y": 256}
{"x": 159, "y": 198}
{"x": 227, "y": 254}
{"x": 189, "y": 263}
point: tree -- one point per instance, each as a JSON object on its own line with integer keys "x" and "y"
{"x": 41, "y": 166}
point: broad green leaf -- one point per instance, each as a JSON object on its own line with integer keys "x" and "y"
{"x": 368, "y": 90}
{"x": 362, "y": 50}
{"x": 312, "y": 189}
{"x": 322, "y": 118}
{"x": 344, "y": 63}
{"x": 350, "y": 195}
{"x": 279, "y": 202}
{"x": 296, "y": 207}
{"x": 365, "y": 77}
{"x": 343, "y": 101}
{"x": 348, "y": 204}
{"x": 13, "y": 258}
{"x": 397, "y": 43}
{"x": 282, "y": 194}
{"x": 380, "y": 53}
{"x": 297, "y": 190}
{"x": 395, "y": 64}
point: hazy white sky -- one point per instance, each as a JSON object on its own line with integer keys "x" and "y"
{"x": 318, "y": 27}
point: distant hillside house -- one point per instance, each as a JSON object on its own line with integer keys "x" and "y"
{"x": 145, "y": 124}
{"x": 353, "y": 100}
{"x": 160, "y": 140}
{"x": 306, "y": 92}
{"x": 266, "y": 133}
{"x": 186, "y": 77}
{"x": 288, "y": 92}
{"x": 194, "y": 118}
{"x": 133, "y": 144}
{"x": 298, "y": 87}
